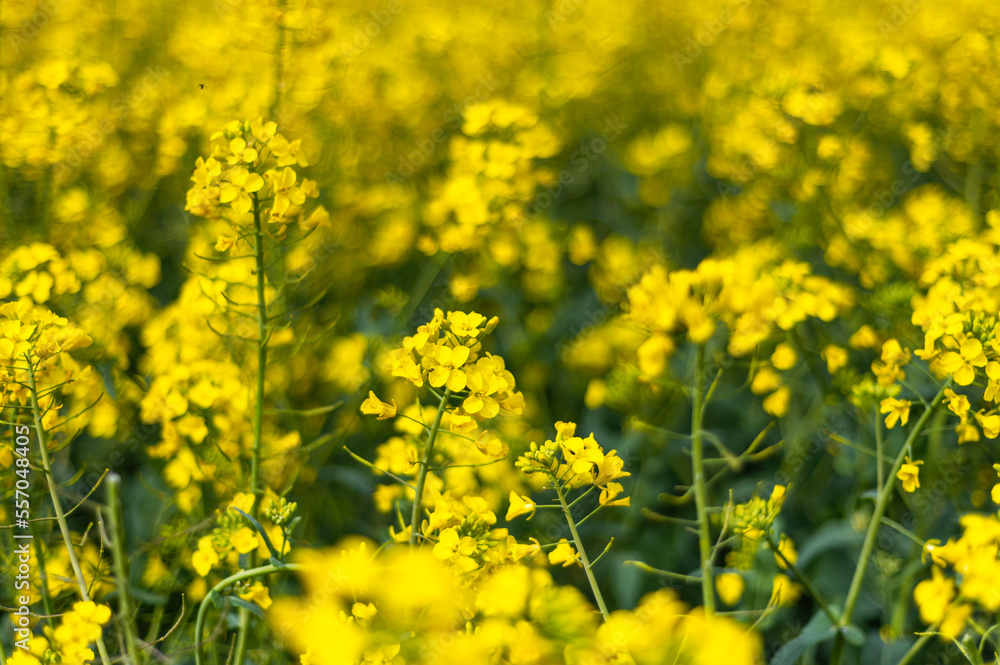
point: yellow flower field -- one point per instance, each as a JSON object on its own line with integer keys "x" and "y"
{"x": 566, "y": 332}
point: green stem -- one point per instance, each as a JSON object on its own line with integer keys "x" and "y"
{"x": 641, "y": 565}
{"x": 43, "y": 449}
{"x": 422, "y": 474}
{"x": 915, "y": 649}
{"x": 126, "y": 606}
{"x": 36, "y": 532}
{"x": 583, "y": 553}
{"x": 199, "y": 624}
{"x": 258, "y": 412}
{"x": 879, "y": 471}
{"x": 881, "y": 504}
{"x": 698, "y": 471}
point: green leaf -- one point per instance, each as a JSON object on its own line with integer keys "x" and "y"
{"x": 818, "y": 630}
{"x": 853, "y": 635}
{"x": 260, "y": 530}
{"x": 969, "y": 649}
{"x": 215, "y": 598}
{"x": 832, "y": 535}
{"x": 104, "y": 369}
{"x": 253, "y": 607}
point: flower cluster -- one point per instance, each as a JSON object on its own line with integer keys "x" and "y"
{"x": 946, "y": 602}
{"x": 446, "y": 353}
{"x": 357, "y": 605}
{"x": 246, "y": 156}
{"x": 35, "y": 345}
{"x": 69, "y": 643}
{"x": 572, "y": 462}
{"x": 232, "y": 536}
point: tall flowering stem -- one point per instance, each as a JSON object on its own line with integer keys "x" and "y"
{"x": 583, "y": 553}
{"x": 258, "y": 411}
{"x": 250, "y": 174}
{"x": 881, "y": 504}
{"x": 698, "y": 472}
{"x": 424, "y": 465}
{"x": 572, "y": 463}
{"x": 258, "y": 414}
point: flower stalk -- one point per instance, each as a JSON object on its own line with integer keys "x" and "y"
{"x": 425, "y": 463}
{"x": 582, "y": 552}
{"x": 881, "y": 504}
{"x": 258, "y": 413}
{"x": 698, "y": 482}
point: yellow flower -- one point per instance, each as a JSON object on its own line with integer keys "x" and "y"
{"x": 730, "y": 587}
{"x": 933, "y": 596}
{"x": 519, "y": 505}
{"x": 205, "y": 556}
{"x": 785, "y": 592}
{"x": 564, "y": 554}
{"x": 288, "y": 153}
{"x": 225, "y": 243}
{"x": 457, "y": 549}
{"x": 962, "y": 364}
{"x": 954, "y": 620}
{"x": 363, "y": 612}
{"x": 521, "y": 550}
{"x": 777, "y": 402}
{"x": 609, "y": 493}
{"x": 898, "y": 410}
{"x": 285, "y": 192}
{"x": 466, "y": 325}
{"x": 610, "y": 468}
{"x": 835, "y": 356}
{"x": 784, "y": 357}
{"x": 259, "y": 594}
{"x": 990, "y": 424}
{"x": 373, "y": 406}
{"x": 993, "y": 386}
{"x": 244, "y": 540}
{"x": 237, "y": 191}
{"x": 787, "y": 549}
{"x": 481, "y": 388}
{"x": 241, "y": 153}
{"x": 957, "y": 404}
{"x": 448, "y": 371}
{"x": 909, "y": 474}
{"x": 894, "y": 354}
{"x": 242, "y": 500}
